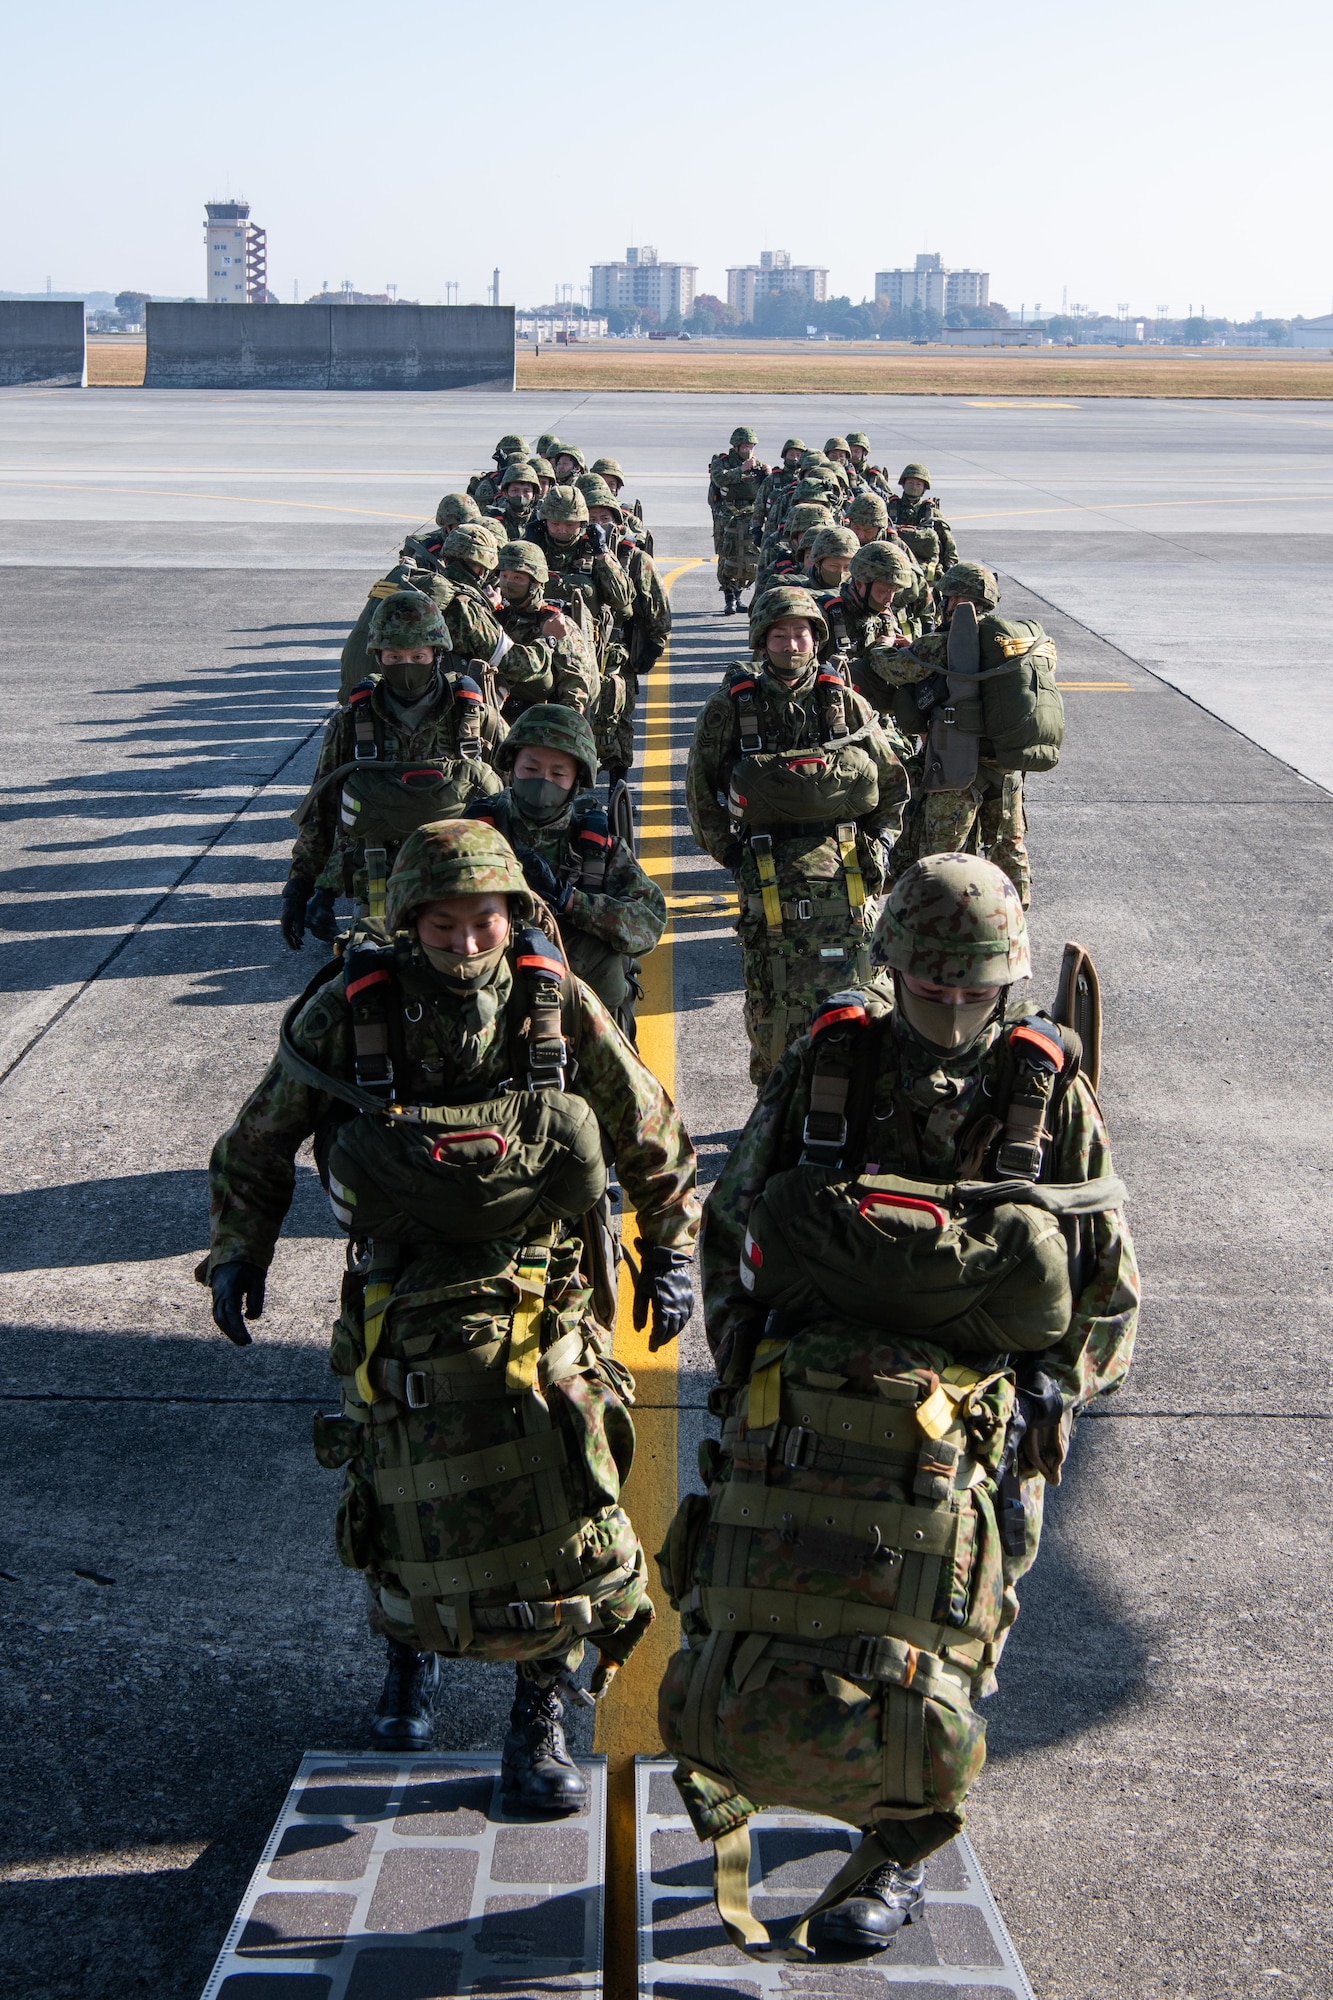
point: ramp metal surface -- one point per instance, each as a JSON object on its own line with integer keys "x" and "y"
{"x": 401, "y": 1878}
{"x": 42, "y": 343}
{"x": 961, "y": 1951}
{"x": 329, "y": 347}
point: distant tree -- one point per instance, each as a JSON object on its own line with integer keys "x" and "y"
{"x": 622, "y": 319}
{"x": 977, "y": 316}
{"x": 1060, "y": 326}
{"x": 711, "y": 315}
{"x": 649, "y": 316}
{"x": 130, "y": 305}
{"x": 1196, "y": 329}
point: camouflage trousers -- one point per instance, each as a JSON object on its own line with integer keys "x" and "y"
{"x": 986, "y": 817}
{"x": 737, "y": 556}
{"x": 783, "y": 990}
{"x": 613, "y": 714}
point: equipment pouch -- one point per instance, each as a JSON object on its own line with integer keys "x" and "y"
{"x": 778, "y": 787}
{"x": 383, "y": 807}
{"x": 603, "y": 1434}
{"x": 675, "y": 1558}
{"x": 356, "y": 1528}
{"x": 337, "y": 1440}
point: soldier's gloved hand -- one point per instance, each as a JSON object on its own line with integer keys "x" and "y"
{"x": 600, "y": 536}
{"x": 238, "y": 1295}
{"x": 539, "y": 875}
{"x": 664, "y": 1283}
{"x": 319, "y": 918}
{"x": 295, "y": 895}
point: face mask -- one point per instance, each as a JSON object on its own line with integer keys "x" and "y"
{"x": 942, "y": 1027}
{"x": 540, "y": 798}
{"x": 408, "y": 679}
{"x": 464, "y": 972}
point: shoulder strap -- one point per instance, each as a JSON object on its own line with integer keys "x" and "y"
{"x": 541, "y": 976}
{"x": 743, "y": 688}
{"x": 469, "y": 706}
{"x": 1046, "y": 1059}
{"x": 302, "y": 1069}
{"x": 366, "y": 746}
{"x": 837, "y": 1038}
{"x": 830, "y": 695}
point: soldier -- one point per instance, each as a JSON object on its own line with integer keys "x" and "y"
{"x": 517, "y": 492}
{"x": 839, "y": 453}
{"x": 568, "y": 462}
{"x": 584, "y": 574}
{"x": 532, "y": 625}
{"x": 641, "y": 640}
{"x": 454, "y": 576}
{"x": 483, "y": 1430}
{"x": 545, "y": 472}
{"x": 410, "y": 746}
{"x": 778, "y": 484}
{"x": 861, "y": 472}
{"x": 845, "y": 1628}
{"x": 920, "y": 523}
{"x": 979, "y": 805}
{"x": 547, "y": 445}
{"x": 482, "y": 487}
{"x": 782, "y": 558}
{"x": 830, "y": 559}
{"x": 734, "y": 479}
{"x": 610, "y": 913}
{"x": 816, "y": 487}
{"x": 612, "y": 473}
{"x": 798, "y": 813}
{"x": 868, "y": 519}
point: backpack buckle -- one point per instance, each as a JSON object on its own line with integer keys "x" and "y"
{"x": 752, "y": 743}
{"x": 523, "y": 1615}
{"x": 804, "y": 909}
{"x": 824, "y": 1132}
{"x": 1019, "y": 1162}
{"x": 796, "y": 1446}
{"x": 416, "y": 1390}
{"x": 546, "y": 1065}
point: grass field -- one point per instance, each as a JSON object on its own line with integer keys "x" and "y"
{"x": 868, "y": 371}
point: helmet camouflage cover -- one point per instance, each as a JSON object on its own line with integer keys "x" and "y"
{"x": 511, "y": 445}
{"x": 547, "y": 445}
{"x": 542, "y": 467}
{"x": 784, "y": 600}
{"x": 793, "y": 444}
{"x": 868, "y": 510}
{"x": 807, "y": 514}
{"x": 407, "y": 619}
{"x": 455, "y": 857}
{"x": 610, "y": 468}
{"x": 597, "y": 493}
{"x": 956, "y": 920}
{"x": 473, "y": 543}
{"x": 569, "y": 451}
{"x": 527, "y": 558}
{"x": 914, "y": 471}
{"x": 973, "y": 580}
{"x": 811, "y": 487}
{"x": 548, "y": 725}
{"x": 744, "y": 435}
{"x": 882, "y": 562}
{"x": 835, "y": 444}
{"x": 455, "y": 510}
{"x": 563, "y": 503}
{"x": 518, "y": 472}
{"x": 833, "y": 541}
{"x": 858, "y": 438}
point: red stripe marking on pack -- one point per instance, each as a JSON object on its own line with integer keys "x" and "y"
{"x": 881, "y": 1198}
{"x": 378, "y": 978}
{"x": 531, "y": 963}
{"x": 1049, "y": 1045}
{"x": 835, "y": 1014}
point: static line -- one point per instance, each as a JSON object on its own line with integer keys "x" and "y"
{"x": 627, "y": 1719}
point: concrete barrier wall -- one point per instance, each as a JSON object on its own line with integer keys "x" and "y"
{"x": 330, "y": 347}
{"x": 42, "y": 341}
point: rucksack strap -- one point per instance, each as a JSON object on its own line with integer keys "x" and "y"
{"x": 365, "y": 733}
{"x": 742, "y": 689}
{"x": 1040, "y": 1060}
{"x": 836, "y": 1039}
{"x": 540, "y": 967}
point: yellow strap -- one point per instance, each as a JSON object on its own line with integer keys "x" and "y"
{"x": 384, "y": 590}
{"x": 525, "y": 1341}
{"x": 378, "y": 1294}
{"x": 851, "y": 867}
{"x": 938, "y": 1413}
{"x": 377, "y": 882}
{"x": 768, "y": 889}
{"x": 731, "y": 1893}
{"x": 765, "y": 1400}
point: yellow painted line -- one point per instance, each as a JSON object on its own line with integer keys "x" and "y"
{"x": 235, "y": 499}
{"x": 1096, "y": 687}
{"x": 696, "y": 905}
{"x": 627, "y": 1719}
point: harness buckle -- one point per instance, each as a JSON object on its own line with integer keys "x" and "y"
{"x": 1019, "y": 1162}
{"x": 824, "y": 1131}
{"x": 752, "y": 743}
{"x": 523, "y": 1615}
{"x": 804, "y": 909}
{"x": 796, "y": 1446}
{"x": 416, "y": 1390}
{"x": 546, "y": 1065}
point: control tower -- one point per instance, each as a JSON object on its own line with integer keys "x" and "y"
{"x": 237, "y": 255}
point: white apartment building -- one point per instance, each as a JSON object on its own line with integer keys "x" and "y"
{"x": 930, "y": 285}
{"x": 641, "y": 280}
{"x": 747, "y": 284}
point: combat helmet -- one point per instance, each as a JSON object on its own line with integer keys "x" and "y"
{"x": 956, "y": 920}
{"x": 456, "y": 510}
{"x": 743, "y": 435}
{"x": 406, "y": 620}
{"x": 526, "y": 558}
{"x": 610, "y": 468}
{"x": 810, "y": 488}
{"x": 518, "y": 472}
{"x": 792, "y": 444}
{"x": 858, "y": 438}
{"x": 784, "y": 600}
{"x": 563, "y": 503}
{"x": 835, "y": 444}
{"x": 805, "y": 514}
{"x": 549, "y": 725}
{"x": 543, "y": 468}
{"x": 597, "y": 493}
{"x": 569, "y": 451}
{"x": 473, "y": 543}
{"x": 971, "y": 580}
{"x": 868, "y": 510}
{"x": 547, "y": 445}
{"x": 455, "y": 857}
{"x": 833, "y": 541}
{"x": 915, "y": 471}
{"x": 882, "y": 562}
{"x": 511, "y": 445}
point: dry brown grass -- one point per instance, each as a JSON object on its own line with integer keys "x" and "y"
{"x": 866, "y": 371}
{"x": 116, "y": 364}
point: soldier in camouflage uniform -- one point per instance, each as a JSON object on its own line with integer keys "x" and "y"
{"x": 412, "y": 744}
{"x": 918, "y": 519}
{"x": 517, "y": 492}
{"x": 611, "y": 914}
{"x": 868, "y": 519}
{"x": 483, "y": 488}
{"x": 800, "y": 815}
{"x": 865, "y": 1403}
{"x": 567, "y": 462}
{"x": 829, "y": 559}
{"x": 640, "y": 641}
{"x": 545, "y": 472}
{"x": 585, "y": 575}
{"x": 779, "y": 483}
{"x": 782, "y": 558}
{"x": 612, "y": 472}
{"x": 483, "y": 1435}
{"x": 734, "y": 479}
{"x": 988, "y": 815}
{"x": 534, "y": 627}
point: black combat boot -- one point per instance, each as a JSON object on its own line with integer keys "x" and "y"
{"x": 728, "y": 603}
{"x": 404, "y": 1719}
{"x": 616, "y": 774}
{"x": 537, "y": 1773}
{"x": 871, "y": 1917}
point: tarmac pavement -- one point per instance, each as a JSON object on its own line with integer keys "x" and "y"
{"x": 1155, "y": 1817}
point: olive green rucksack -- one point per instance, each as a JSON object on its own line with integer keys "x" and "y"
{"x": 1018, "y": 710}
{"x": 788, "y": 787}
{"x": 381, "y": 807}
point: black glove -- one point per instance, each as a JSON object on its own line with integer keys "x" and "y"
{"x": 295, "y": 895}
{"x": 539, "y": 875}
{"x": 664, "y": 1283}
{"x": 600, "y": 536}
{"x": 931, "y": 692}
{"x": 238, "y": 1295}
{"x": 319, "y": 918}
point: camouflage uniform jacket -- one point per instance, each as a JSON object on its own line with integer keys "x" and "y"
{"x": 513, "y": 522}
{"x": 924, "y": 514}
{"x": 431, "y": 742}
{"x": 734, "y": 482}
{"x": 1094, "y": 1354}
{"x": 790, "y": 720}
{"x": 599, "y": 579}
{"x": 475, "y": 636}
{"x": 780, "y": 482}
{"x": 572, "y": 676}
{"x": 253, "y": 1168}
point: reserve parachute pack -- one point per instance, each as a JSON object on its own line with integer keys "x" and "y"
{"x": 820, "y": 784}
{"x": 841, "y": 1584}
{"x": 1003, "y": 702}
{"x": 484, "y": 1434}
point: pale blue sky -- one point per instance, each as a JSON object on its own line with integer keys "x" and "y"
{"x": 1173, "y": 153}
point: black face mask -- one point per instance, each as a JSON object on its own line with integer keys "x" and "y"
{"x": 409, "y": 679}
{"x": 541, "y": 799}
